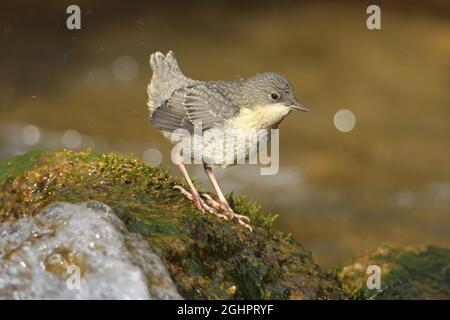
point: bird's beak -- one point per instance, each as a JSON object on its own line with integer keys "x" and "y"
{"x": 294, "y": 104}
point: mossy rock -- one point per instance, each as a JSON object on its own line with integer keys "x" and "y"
{"x": 407, "y": 273}
{"x": 207, "y": 257}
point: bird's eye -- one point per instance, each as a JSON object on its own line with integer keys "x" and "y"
{"x": 274, "y": 96}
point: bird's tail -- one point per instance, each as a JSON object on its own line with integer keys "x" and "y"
{"x": 165, "y": 66}
{"x": 166, "y": 78}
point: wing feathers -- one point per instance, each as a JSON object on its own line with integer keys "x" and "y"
{"x": 168, "y": 119}
{"x": 194, "y": 106}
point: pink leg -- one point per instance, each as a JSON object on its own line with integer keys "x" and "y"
{"x": 194, "y": 195}
{"x": 223, "y": 205}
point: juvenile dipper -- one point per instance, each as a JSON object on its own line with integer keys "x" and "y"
{"x": 177, "y": 102}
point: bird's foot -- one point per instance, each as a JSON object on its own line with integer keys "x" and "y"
{"x": 199, "y": 202}
{"x": 224, "y": 207}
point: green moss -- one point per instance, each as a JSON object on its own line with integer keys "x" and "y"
{"x": 253, "y": 211}
{"x": 207, "y": 257}
{"x": 18, "y": 165}
{"x": 411, "y": 273}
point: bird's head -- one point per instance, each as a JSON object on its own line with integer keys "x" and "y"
{"x": 266, "y": 89}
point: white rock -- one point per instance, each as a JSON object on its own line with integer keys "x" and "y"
{"x": 79, "y": 251}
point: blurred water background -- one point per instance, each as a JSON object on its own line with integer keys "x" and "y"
{"x": 369, "y": 165}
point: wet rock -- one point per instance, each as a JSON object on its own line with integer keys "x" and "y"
{"x": 406, "y": 273}
{"x": 79, "y": 251}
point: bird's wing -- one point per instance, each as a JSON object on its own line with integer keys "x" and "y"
{"x": 207, "y": 107}
{"x": 194, "y": 106}
{"x": 168, "y": 118}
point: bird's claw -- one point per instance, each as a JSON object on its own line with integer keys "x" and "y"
{"x": 241, "y": 219}
{"x": 199, "y": 202}
{"x": 244, "y": 224}
{"x": 184, "y": 192}
{"x": 212, "y": 206}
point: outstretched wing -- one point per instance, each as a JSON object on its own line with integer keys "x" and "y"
{"x": 194, "y": 106}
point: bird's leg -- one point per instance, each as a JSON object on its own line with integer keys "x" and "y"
{"x": 194, "y": 195}
{"x": 223, "y": 203}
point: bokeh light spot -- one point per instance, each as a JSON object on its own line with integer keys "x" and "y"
{"x": 31, "y": 134}
{"x": 125, "y": 68}
{"x": 71, "y": 139}
{"x": 152, "y": 157}
{"x": 344, "y": 120}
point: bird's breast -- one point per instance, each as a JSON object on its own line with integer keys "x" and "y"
{"x": 225, "y": 147}
{"x": 260, "y": 117}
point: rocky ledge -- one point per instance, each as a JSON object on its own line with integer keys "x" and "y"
{"x": 91, "y": 225}
{"x": 205, "y": 257}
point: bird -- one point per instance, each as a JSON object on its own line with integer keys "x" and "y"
{"x": 177, "y": 102}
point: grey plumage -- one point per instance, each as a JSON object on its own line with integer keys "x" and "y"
{"x": 243, "y": 107}
{"x": 176, "y": 101}
{"x": 202, "y": 105}
{"x": 167, "y": 77}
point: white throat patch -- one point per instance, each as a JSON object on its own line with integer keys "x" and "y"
{"x": 260, "y": 117}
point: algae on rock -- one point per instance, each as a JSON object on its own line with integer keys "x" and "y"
{"x": 206, "y": 257}
{"x": 406, "y": 273}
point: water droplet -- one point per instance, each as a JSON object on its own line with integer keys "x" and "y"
{"x": 54, "y": 259}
